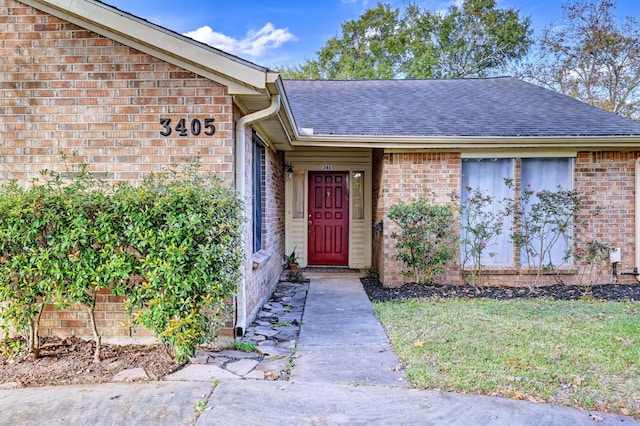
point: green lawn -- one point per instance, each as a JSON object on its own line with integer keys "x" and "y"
{"x": 577, "y": 353}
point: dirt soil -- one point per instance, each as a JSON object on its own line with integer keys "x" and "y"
{"x": 610, "y": 292}
{"x": 70, "y": 361}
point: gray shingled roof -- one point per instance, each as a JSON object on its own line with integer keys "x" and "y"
{"x": 503, "y": 106}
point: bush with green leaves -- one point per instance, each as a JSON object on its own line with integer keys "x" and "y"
{"x": 425, "y": 241}
{"x": 594, "y": 254}
{"x": 185, "y": 232}
{"x": 91, "y": 245}
{"x": 544, "y": 222}
{"x": 177, "y": 235}
{"x": 69, "y": 249}
{"x": 30, "y": 277}
{"x": 481, "y": 224}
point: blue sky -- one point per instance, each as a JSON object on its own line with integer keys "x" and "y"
{"x": 274, "y": 32}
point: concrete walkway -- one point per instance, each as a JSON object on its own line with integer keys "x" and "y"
{"x": 341, "y": 339}
{"x": 345, "y": 374}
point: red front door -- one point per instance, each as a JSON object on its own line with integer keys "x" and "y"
{"x": 328, "y": 218}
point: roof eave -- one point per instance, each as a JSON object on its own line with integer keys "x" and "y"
{"x": 239, "y": 76}
{"x": 469, "y": 142}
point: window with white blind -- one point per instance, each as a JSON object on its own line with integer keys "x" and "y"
{"x": 489, "y": 174}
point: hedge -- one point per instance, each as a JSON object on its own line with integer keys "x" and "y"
{"x": 170, "y": 246}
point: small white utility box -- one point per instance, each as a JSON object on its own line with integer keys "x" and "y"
{"x": 615, "y": 255}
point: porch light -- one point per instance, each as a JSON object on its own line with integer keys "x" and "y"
{"x": 288, "y": 167}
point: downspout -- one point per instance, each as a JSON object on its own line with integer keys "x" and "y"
{"x": 240, "y": 164}
{"x": 637, "y": 236}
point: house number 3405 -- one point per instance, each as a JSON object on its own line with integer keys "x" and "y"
{"x": 195, "y": 127}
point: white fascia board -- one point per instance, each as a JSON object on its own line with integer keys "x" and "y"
{"x": 290, "y": 126}
{"x": 471, "y": 143}
{"x": 524, "y": 153}
{"x": 239, "y": 77}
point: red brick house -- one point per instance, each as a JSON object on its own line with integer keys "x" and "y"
{"x": 440, "y": 135}
{"x": 319, "y": 162}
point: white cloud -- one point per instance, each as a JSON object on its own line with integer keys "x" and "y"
{"x": 442, "y": 7}
{"x": 254, "y": 43}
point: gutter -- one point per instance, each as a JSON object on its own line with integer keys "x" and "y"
{"x": 240, "y": 165}
{"x": 630, "y": 142}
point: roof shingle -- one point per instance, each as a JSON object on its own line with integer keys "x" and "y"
{"x": 498, "y": 107}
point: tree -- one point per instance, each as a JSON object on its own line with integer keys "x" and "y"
{"x": 368, "y": 48}
{"x": 471, "y": 40}
{"x": 592, "y": 57}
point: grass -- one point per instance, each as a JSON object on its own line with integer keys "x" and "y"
{"x": 200, "y": 407}
{"x": 583, "y": 353}
{"x": 245, "y": 346}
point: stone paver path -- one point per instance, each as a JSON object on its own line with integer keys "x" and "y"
{"x": 274, "y": 332}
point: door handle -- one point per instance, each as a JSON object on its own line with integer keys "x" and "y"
{"x": 309, "y": 226}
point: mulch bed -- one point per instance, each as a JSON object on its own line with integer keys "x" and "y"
{"x": 610, "y": 292}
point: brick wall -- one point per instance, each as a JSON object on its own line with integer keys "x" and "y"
{"x": 607, "y": 179}
{"x": 67, "y": 90}
{"x": 266, "y": 266}
{"x": 111, "y": 320}
{"x": 405, "y": 176}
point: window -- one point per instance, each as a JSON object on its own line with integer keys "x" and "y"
{"x": 547, "y": 174}
{"x": 357, "y": 186}
{"x": 489, "y": 174}
{"x": 257, "y": 180}
{"x": 298, "y": 194}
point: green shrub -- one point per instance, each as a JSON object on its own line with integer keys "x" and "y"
{"x": 481, "y": 224}
{"x": 93, "y": 249}
{"x": 59, "y": 246}
{"x": 178, "y": 235}
{"x": 544, "y": 220}
{"x": 29, "y": 276}
{"x": 186, "y": 234}
{"x": 426, "y": 239}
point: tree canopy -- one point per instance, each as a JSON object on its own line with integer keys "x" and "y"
{"x": 591, "y": 56}
{"x": 472, "y": 40}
